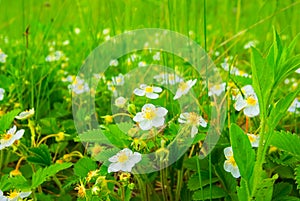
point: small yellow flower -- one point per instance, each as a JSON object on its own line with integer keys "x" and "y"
{"x": 60, "y": 136}
{"x": 108, "y": 119}
{"x": 81, "y": 190}
{"x": 15, "y": 172}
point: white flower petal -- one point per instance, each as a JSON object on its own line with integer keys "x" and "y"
{"x": 157, "y": 122}
{"x": 240, "y": 103}
{"x": 161, "y": 111}
{"x": 235, "y": 172}
{"x": 138, "y": 117}
{"x": 114, "y": 167}
{"x": 202, "y": 122}
{"x": 157, "y": 89}
{"x": 19, "y": 134}
{"x": 228, "y": 152}
{"x": 145, "y": 125}
{"x": 136, "y": 157}
{"x": 252, "y": 111}
{"x": 152, "y": 95}
{"x": 24, "y": 194}
{"x": 194, "y": 131}
{"x": 139, "y": 92}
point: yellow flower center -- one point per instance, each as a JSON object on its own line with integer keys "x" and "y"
{"x": 218, "y": 87}
{"x": 251, "y": 138}
{"x": 149, "y": 114}
{"x": 251, "y": 101}
{"x": 183, "y": 86}
{"x": 119, "y": 80}
{"x": 171, "y": 77}
{"x": 232, "y": 161}
{"x": 7, "y": 136}
{"x": 149, "y": 89}
{"x": 122, "y": 158}
{"x": 193, "y": 118}
{"x": 113, "y": 88}
{"x": 80, "y": 87}
{"x": 13, "y": 194}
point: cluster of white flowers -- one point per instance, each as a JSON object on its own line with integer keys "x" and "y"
{"x": 168, "y": 78}
{"x": 233, "y": 70}
{"x": 79, "y": 86}
{"x": 56, "y": 56}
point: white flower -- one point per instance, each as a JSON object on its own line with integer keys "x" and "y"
{"x": 2, "y": 91}
{"x": 150, "y": 117}
{"x": 249, "y": 103}
{"x": 156, "y": 57}
{"x": 124, "y": 161}
{"x": 184, "y": 88}
{"x": 112, "y": 88}
{"x": 10, "y": 137}
{"x": 295, "y": 104}
{"x": 217, "y": 89}
{"x": 192, "y": 119}
{"x": 3, "y": 57}
{"x": 298, "y": 70}
{"x": 118, "y": 80}
{"x": 106, "y": 31}
{"x": 142, "y": 64}
{"x": 120, "y": 102}
{"x": 168, "y": 78}
{"x": 66, "y": 42}
{"x": 230, "y": 164}
{"x": 114, "y": 62}
{"x": 77, "y": 30}
{"x": 25, "y": 115}
{"x": 254, "y": 139}
{"x": 79, "y": 86}
{"x": 55, "y": 56}
{"x": 250, "y": 44}
{"x": 14, "y": 196}
{"x": 149, "y": 91}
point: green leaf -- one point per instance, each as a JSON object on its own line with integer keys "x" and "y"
{"x": 264, "y": 190}
{"x": 84, "y": 166}
{"x": 243, "y": 193}
{"x": 287, "y": 142}
{"x": 243, "y": 153}
{"x": 215, "y": 191}
{"x": 194, "y": 182}
{"x": 282, "y": 189}
{"x": 280, "y": 109}
{"x": 7, "y": 119}
{"x": 96, "y": 135}
{"x": 227, "y": 180}
{"x": 43, "y": 174}
{"x": 17, "y": 182}
{"x": 297, "y": 177}
{"x": 40, "y": 155}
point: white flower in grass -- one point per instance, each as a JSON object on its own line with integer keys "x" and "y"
{"x": 118, "y": 80}
{"x": 148, "y": 91}
{"x": 14, "y": 195}
{"x": 2, "y": 91}
{"x": 25, "y": 114}
{"x": 294, "y": 106}
{"x": 77, "y": 30}
{"x": 3, "y": 57}
{"x": 10, "y": 137}
{"x": 142, "y": 64}
{"x": 298, "y": 70}
{"x": 194, "y": 120}
{"x": 168, "y": 78}
{"x": 120, "y": 102}
{"x": 230, "y": 164}
{"x": 79, "y": 86}
{"x": 156, "y": 57}
{"x": 114, "y": 62}
{"x": 254, "y": 139}
{"x": 150, "y": 117}
{"x": 55, "y": 56}
{"x": 184, "y": 88}
{"x": 124, "y": 161}
{"x": 250, "y": 44}
{"x": 112, "y": 88}
{"x": 217, "y": 89}
{"x": 249, "y": 102}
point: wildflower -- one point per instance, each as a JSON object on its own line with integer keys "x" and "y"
{"x": 230, "y": 164}
{"x": 249, "y": 103}
{"x": 142, "y": 64}
{"x": 3, "y": 57}
{"x": 56, "y": 56}
{"x": 108, "y": 119}
{"x": 168, "y": 78}
{"x": 114, "y": 62}
{"x": 184, "y": 88}
{"x": 192, "y": 119}
{"x": 2, "y": 197}
{"x": 2, "y": 91}
{"x": 295, "y": 104}
{"x": 60, "y": 136}
{"x": 156, "y": 57}
{"x": 250, "y": 44}
{"x": 120, "y": 102}
{"x": 15, "y": 195}
{"x": 254, "y": 140}
{"x": 10, "y": 137}
{"x": 66, "y": 42}
{"x": 106, "y": 31}
{"x": 124, "y": 160}
{"x": 112, "y": 88}
{"x": 91, "y": 174}
{"x": 217, "y": 89}
{"x": 25, "y": 114}
{"x": 81, "y": 190}
{"x": 298, "y": 71}
{"x": 77, "y": 30}
{"x": 150, "y": 117}
{"x": 118, "y": 80}
{"x": 95, "y": 190}
{"x": 149, "y": 91}
{"x": 79, "y": 86}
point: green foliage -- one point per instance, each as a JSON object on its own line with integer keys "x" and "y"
{"x": 207, "y": 193}
{"x": 17, "y": 182}
{"x": 40, "y": 155}
{"x": 42, "y": 174}
{"x": 84, "y": 166}
{"x": 264, "y": 190}
{"x": 287, "y": 142}
{"x": 194, "y": 183}
{"x": 297, "y": 176}
{"x": 7, "y": 119}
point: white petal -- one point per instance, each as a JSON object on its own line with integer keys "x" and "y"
{"x": 202, "y": 122}
{"x": 161, "y": 111}
{"x": 145, "y": 125}
{"x": 127, "y": 151}
{"x": 228, "y": 152}
{"x": 157, "y": 122}
{"x": 12, "y": 130}
{"x": 136, "y": 157}
{"x": 127, "y": 167}
{"x": 240, "y": 103}
{"x": 178, "y": 94}
{"x": 138, "y": 117}
{"x": 194, "y": 131}
{"x": 24, "y": 194}
{"x": 139, "y": 92}
{"x": 228, "y": 166}
{"x": 252, "y": 111}
{"x": 19, "y": 134}
{"x": 248, "y": 89}
{"x": 235, "y": 172}
{"x": 143, "y": 86}
{"x": 151, "y": 106}
{"x": 114, "y": 167}
{"x": 152, "y": 95}
{"x": 114, "y": 158}
{"x": 157, "y": 89}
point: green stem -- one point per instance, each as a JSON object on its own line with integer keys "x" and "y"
{"x": 58, "y": 183}
{"x": 200, "y": 178}
{"x": 1, "y": 159}
{"x": 179, "y": 184}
